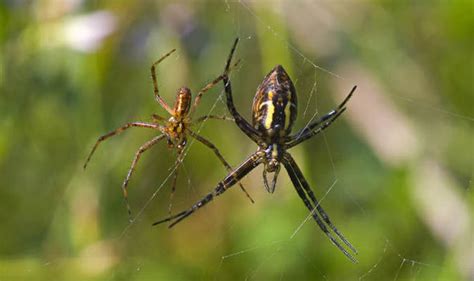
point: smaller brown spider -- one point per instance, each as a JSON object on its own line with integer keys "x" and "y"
{"x": 175, "y": 129}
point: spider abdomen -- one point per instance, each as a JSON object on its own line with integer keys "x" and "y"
{"x": 275, "y": 104}
{"x": 182, "y": 103}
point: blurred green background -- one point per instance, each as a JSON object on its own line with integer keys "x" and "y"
{"x": 395, "y": 172}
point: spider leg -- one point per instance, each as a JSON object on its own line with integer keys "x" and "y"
{"x": 320, "y": 209}
{"x": 158, "y": 98}
{"x": 139, "y": 152}
{"x": 270, "y": 188}
{"x": 301, "y": 186}
{"x": 179, "y": 160}
{"x": 307, "y": 134}
{"x": 216, "y": 151}
{"x": 115, "y": 132}
{"x": 231, "y": 179}
{"x": 205, "y": 117}
{"x": 324, "y": 122}
{"x": 206, "y": 88}
{"x": 244, "y": 126}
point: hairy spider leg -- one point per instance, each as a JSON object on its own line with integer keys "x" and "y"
{"x": 115, "y": 132}
{"x": 158, "y": 98}
{"x": 206, "y": 88}
{"x": 137, "y": 156}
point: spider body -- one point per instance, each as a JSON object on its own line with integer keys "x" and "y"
{"x": 274, "y": 112}
{"x": 175, "y": 129}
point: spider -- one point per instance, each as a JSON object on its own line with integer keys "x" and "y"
{"x": 274, "y": 112}
{"x": 175, "y": 130}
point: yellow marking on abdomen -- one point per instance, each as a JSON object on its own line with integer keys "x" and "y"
{"x": 270, "y": 110}
{"x": 287, "y": 114}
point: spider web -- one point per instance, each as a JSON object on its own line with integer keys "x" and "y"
{"x": 298, "y": 242}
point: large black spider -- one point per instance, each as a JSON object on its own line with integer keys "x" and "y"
{"x": 274, "y": 112}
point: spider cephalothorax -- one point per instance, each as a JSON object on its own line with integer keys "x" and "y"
{"x": 274, "y": 112}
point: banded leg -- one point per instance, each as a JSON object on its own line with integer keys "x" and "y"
{"x": 158, "y": 98}
{"x": 117, "y": 131}
{"x": 303, "y": 190}
{"x": 320, "y": 209}
{"x": 324, "y": 122}
{"x": 230, "y": 180}
{"x": 307, "y": 134}
{"x": 239, "y": 120}
{"x": 139, "y": 152}
{"x": 211, "y": 146}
